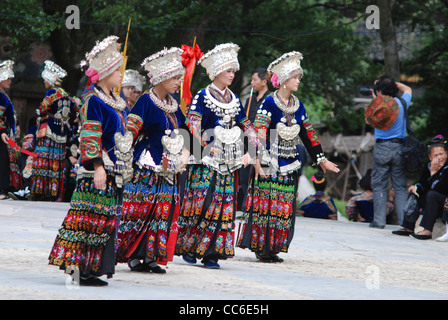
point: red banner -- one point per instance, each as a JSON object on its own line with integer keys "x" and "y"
{"x": 189, "y": 58}
{"x": 14, "y": 145}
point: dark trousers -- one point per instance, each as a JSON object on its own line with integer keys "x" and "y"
{"x": 433, "y": 209}
{"x": 4, "y": 168}
{"x": 434, "y": 205}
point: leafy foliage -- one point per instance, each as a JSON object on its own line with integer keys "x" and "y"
{"x": 335, "y": 61}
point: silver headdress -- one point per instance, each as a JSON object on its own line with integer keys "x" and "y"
{"x": 287, "y": 66}
{"x": 132, "y": 78}
{"x": 220, "y": 58}
{"x": 6, "y": 70}
{"x": 53, "y": 73}
{"x": 104, "y": 59}
{"x": 164, "y": 65}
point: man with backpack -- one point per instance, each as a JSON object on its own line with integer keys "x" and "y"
{"x": 386, "y": 114}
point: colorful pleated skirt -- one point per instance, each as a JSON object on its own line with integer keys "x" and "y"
{"x": 148, "y": 224}
{"x": 207, "y": 217}
{"x": 16, "y": 181}
{"x": 47, "y": 179}
{"x": 86, "y": 240}
{"x": 267, "y": 225}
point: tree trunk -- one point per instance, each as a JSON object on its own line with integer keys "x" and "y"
{"x": 389, "y": 39}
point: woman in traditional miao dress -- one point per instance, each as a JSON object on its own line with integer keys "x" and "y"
{"x": 47, "y": 179}
{"x": 216, "y": 119}
{"x": 7, "y": 130}
{"x": 151, "y": 199}
{"x": 85, "y": 244}
{"x": 269, "y": 215}
{"x": 132, "y": 86}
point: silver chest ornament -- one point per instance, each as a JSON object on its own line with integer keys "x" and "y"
{"x": 61, "y": 116}
{"x": 285, "y": 144}
{"x": 173, "y": 144}
{"x": 227, "y": 135}
{"x": 124, "y": 152}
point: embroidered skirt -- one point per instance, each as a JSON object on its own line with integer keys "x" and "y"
{"x": 16, "y": 182}
{"x": 87, "y": 237}
{"x": 207, "y": 217}
{"x": 148, "y": 224}
{"x": 269, "y": 215}
{"x": 9, "y": 169}
{"x": 47, "y": 179}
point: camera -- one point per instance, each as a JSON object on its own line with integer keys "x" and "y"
{"x": 365, "y": 91}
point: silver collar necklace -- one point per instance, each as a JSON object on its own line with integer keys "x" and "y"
{"x": 285, "y": 108}
{"x": 162, "y": 105}
{"x": 119, "y": 104}
{"x": 221, "y": 105}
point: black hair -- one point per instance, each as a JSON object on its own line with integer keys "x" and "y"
{"x": 436, "y": 141}
{"x": 320, "y": 182}
{"x": 32, "y": 121}
{"x": 262, "y": 73}
{"x": 365, "y": 182}
{"x": 387, "y": 86}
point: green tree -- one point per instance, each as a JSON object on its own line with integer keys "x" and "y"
{"x": 334, "y": 62}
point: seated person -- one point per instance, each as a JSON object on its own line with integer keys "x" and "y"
{"x": 360, "y": 206}
{"x": 444, "y": 238}
{"x": 318, "y": 205}
{"x": 432, "y": 192}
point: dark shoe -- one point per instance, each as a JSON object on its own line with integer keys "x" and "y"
{"x": 156, "y": 269}
{"x": 276, "y": 258}
{"x": 15, "y": 196}
{"x": 374, "y": 225}
{"x": 263, "y": 258}
{"x": 141, "y": 267}
{"x": 421, "y": 236}
{"x": 211, "y": 264}
{"x": 191, "y": 259}
{"x": 92, "y": 282}
{"x": 402, "y": 232}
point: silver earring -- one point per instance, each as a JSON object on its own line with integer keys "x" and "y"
{"x": 284, "y": 86}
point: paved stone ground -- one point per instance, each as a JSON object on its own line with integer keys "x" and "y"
{"x": 327, "y": 260}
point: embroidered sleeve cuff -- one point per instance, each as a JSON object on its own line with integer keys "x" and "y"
{"x": 89, "y": 164}
{"x": 90, "y": 140}
{"x": 134, "y": 124}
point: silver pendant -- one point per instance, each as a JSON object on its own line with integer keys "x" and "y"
{"x": 123, "y": 142}
{"x": 287, "y": 133}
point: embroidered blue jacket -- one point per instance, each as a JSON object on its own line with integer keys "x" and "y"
{"x": 52, "y": 104}
{"x": 269, "y": 116}
{"x": 150, "y": 122}
{"x": 7, "y": 121}
{"x": 99, "y": 123}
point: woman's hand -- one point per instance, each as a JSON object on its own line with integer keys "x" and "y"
{"x": 412, "y": 189}
{"x": 5, "y": 138}
{"x": 246, "y": 159}
{"x": 73, "y": 160}
{"x": 259, "y": 169}
{"x": 165, "y": 162}
{"x": 184, "y": 158}
{"x": 99, "y": 178}
{"x": 215, "y": 152}
{"x": 435, "y": 166}
{"x": 330, "y": 166}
